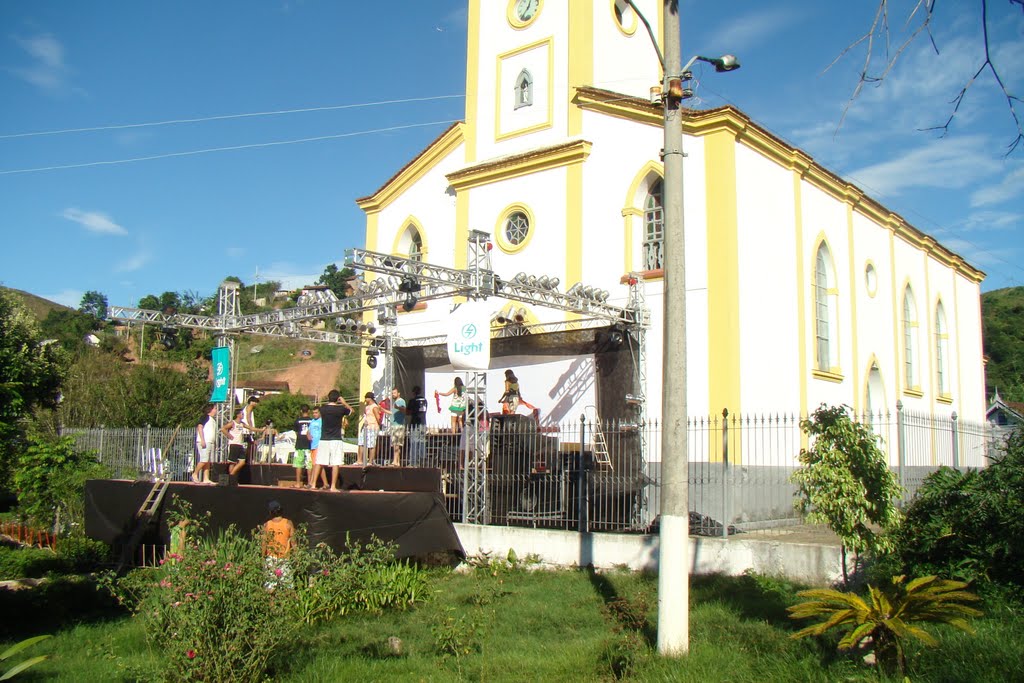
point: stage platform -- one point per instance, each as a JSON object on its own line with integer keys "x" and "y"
{"x": 415, "y": 520}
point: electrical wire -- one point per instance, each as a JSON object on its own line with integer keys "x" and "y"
{"x": 224, "y": 117}
{"x": 231, "y": 148}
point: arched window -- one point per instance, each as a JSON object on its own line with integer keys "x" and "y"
{"x": 941, "y": 351}
{"x": 826, "y": 313}
{"x": 654, "y": 228}
{"x": 910, "y": 340}
{"x": 410, "y": 243}
{"x": 524, "y": 89}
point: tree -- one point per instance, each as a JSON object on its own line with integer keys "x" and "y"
{"x": 94, "y": 304}
{"x": 845, "y": 482}
{"x": 101, "y": 389}
{"x": 31, "y": 372}
{"x": 336, "y": 280}
{"x": 919, "y": 22}
{"x": 69, "y": 328}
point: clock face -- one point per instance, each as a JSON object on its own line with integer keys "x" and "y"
{"x": 525, "y": 9}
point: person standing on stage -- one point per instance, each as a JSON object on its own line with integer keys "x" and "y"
{"x": 512, "y": 399}
{"x": 300, "y": 460}
{"x": 331, "y": 451}
{"x": 417, "y": 426}
{"x": 372, "y": 415}
{"x": 235, "y": 432}
{"x": 250, "y": 429}
{"x": 397, "y": 426}
{"x": 315, "y": 471}
{"x": 458, "y": 404}
{"x": 206, "y": 430}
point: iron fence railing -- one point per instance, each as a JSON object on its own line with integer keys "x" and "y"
{"x": 593, "y": 475}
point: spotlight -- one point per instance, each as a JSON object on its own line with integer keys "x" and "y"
{"x": 520, "y": 278}
{"x": 520, "y": 315}
{"x": 502, "y": 320}
{"x": 531, "y": 281}
{"x": 371, "y": 358}
{"x": 587, "y": 292}
{"x": 370, "y": 328}
{"x": 554, "y": 282}
{"x": 602, "y": 295}
{"x": 544, "y": 282}
{"x": 574, "y": 290}
{"x": 409, "y": 303}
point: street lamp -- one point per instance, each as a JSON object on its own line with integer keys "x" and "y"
{"x": 673, "y": 560}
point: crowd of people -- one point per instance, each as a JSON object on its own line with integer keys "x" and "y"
{"x": 319, "y": 432}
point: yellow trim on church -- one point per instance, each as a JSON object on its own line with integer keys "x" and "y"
{"x": 517, "y": 165}
{"x": 414, "y": 171}
{"x": 723, "y": 273}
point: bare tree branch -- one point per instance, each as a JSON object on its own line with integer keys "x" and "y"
{"x": 924, "y": 11}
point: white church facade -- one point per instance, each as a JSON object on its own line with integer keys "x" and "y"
{"x": 801, "y": 289}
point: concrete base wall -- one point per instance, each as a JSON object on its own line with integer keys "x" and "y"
{"x": 805, "y": 562}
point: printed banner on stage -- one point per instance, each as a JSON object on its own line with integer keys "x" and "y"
{"x": 469, "y": 336}
{"x": 221, "y": 357}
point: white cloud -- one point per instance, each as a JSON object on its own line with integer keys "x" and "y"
{"x": 1009, "y": 188}
{"x": 948, "y": 163}
{"x": 68, "y": 297}
{"x": 47, "y": 70}
{"x": 993, "y": 220}
{"x": 94, "y": 221}
{"x": 134, "y": 262}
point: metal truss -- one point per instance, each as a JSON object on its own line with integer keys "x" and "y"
{"x": 403, "y": 279}
{"x": 476, "y": 507}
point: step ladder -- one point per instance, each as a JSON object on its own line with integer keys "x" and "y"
{"x": 601, "y": 455}
{"x": 144, "y": 517}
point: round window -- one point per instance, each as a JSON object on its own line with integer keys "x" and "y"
{"x": 517, "y": 227}
{"x": 871, "y": 279}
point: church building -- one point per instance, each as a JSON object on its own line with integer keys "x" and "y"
{"x": 801, "y": 288}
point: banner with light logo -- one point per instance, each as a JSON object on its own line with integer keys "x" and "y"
{"x": 221, "y": 357}
{"x": 469, "y": 336}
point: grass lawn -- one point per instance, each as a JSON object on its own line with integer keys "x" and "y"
{"x": 549, "y": 626}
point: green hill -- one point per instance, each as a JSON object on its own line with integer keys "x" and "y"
{"x": 1002, "y": 319}
{"x": 39, "y": 306}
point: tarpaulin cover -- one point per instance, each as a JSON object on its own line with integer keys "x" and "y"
{"x": 416, "y": 522}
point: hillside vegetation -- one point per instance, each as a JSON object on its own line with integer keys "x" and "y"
{"x": 37, "y": 305}
{"x": 1002, "y": 316}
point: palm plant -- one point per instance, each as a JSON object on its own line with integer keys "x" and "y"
{"x": 890, "y": 616}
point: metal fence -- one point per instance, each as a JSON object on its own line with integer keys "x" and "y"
{"x": 605, "y": 475}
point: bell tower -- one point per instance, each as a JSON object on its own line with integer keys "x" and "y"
{"x": 525, "y": 59}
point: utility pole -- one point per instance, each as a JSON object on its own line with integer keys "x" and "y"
{"x": 674, "y": 541}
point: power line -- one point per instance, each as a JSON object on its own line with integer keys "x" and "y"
{"x": 223, "y": 149}
{"x": 223, "y": 117}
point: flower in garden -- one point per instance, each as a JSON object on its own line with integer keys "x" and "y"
{"x": 278, "y": 573}
{"x": 191, "y": 654}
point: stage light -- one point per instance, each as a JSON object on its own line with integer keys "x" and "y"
{"x": 531, "y": 280}
{"x": 520, "y": 278}
{"x": 409, "y": 303}
{"x": 520, "y": 315}
{"x": 574, "y": 290}
{"x": 371, "y": 358}
{"x": 370, "y": 328}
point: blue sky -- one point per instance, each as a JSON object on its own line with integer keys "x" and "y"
{"x": 381, "y": 81}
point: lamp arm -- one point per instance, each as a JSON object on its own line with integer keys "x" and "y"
{"x": 650, "y": 32}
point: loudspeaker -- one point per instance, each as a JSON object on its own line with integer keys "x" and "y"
{"x": 227, "y": 480}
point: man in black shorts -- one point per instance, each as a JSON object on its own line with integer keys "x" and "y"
{"x": 417, "y": 427}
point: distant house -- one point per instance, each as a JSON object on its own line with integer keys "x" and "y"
{"x": 260, "y": 388}
{"x": 1005, "y": 417}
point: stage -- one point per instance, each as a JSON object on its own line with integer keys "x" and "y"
{"x": 401, "y": 505}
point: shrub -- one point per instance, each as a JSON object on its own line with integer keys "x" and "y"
{"x": 969, "y": 525}
{"x": 219, "y": 611}
{"x": 889, "y": 617}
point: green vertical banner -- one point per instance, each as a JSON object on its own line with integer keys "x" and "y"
{"x": 221, "y": 357}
